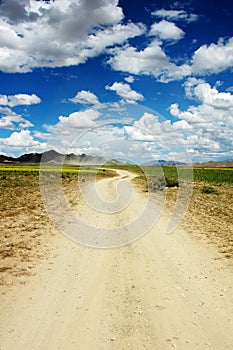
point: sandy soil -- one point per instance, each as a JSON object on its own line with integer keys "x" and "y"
{"x": 160, "y": 292}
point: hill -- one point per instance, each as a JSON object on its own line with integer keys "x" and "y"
{"x": 211, "y": 164}
{"x": 162, "y": 162}
{"x": 56, "y": 157}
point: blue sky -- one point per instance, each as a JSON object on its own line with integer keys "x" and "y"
{"x": 133, "y": 80}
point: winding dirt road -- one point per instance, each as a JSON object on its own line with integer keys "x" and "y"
{"x": 158, "y": 293}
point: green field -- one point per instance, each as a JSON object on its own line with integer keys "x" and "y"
{"x": 206, "y": 175}
{"x": 36, "y": 168}
{"x": 215, "y": 176}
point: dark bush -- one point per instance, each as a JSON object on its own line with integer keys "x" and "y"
{"x": 208, "y": 189}
{"x": 172, "y": 182}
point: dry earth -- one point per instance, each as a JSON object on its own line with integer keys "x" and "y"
{"x": 160, "y": 292}
{"x": 23, "y": 219}
{"x": 209, "y": 217}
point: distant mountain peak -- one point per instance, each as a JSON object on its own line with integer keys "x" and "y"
{"x": 162, "y": 162}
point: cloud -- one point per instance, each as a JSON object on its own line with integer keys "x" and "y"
{"x": 150, "y": 128}
{"x": 94, "y": 138}
{"x": 3, "y": 100}
{"x": 19, "y": 100}
{"x": 207, "y": 127}
{"x": 125, "y": 91}
{"x": 151, "y": 137}
{"x": 214, "y": 58}
{"x": 17, "y": 11}
{"x": 102, "y": 39}
{"x": 85, "y": 97}
{"x": 129, "y": 79}
{"x": 78, "y": 120}
{"x": 182, "y": 124}
{"x": 176, "y": 15}
{"x": 201, "y": 91}
{"x": 12, "y": 121}
{"x": 151, "y": 60}
{"x": 23, "y": 99}
{"x": 22, "y": 139}
{"x": 75, "y": 31}
{"x": 165, "y": 30}
{"x": 146, "y": 61}
{"x": 145, "y": 138}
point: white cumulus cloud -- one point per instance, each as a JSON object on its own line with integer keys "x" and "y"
{"x": 151, "y": 60}
{"x": 22, "y": 139}
{"x": 14, "y": 121}
{"x": 200, "y": 90}
{"x": 213, "y": 58}
{"x": 207, "y": 127}
{"x": 19, "y": 100}
{"x": 129, "y": 79}
{"x": 165, "y": 30}
{"x": 78, "y": 120}
{"x": 75, "y": 31}
{"x": 150, "y": 128}
{"x": 9, "y": 119}
{"x": 85, "y": 97}
{"x": 124, "y": 91}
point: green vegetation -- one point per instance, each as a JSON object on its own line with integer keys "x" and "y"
{"x": 66, "y": 169}
{"x": 171, "y": 174}
{"x": 215, "y": 176}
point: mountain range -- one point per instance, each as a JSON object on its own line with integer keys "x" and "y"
{"x": 55, "y": 157}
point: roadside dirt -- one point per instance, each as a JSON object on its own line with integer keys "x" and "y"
{"x": 160, "y": 292}
{"x": 23, "y": 219}
{"x": 209, "y": 217}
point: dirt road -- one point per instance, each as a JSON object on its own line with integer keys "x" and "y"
{"x": 160, "y": 292}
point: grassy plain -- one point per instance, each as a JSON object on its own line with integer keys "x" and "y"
{"x": 216, "y": 176}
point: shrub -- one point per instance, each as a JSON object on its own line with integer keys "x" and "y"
{"x": 208, "y": 189}
{"x": 170, "y": 182}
